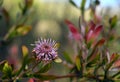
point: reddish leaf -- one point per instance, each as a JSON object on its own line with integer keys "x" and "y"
{"x": 117, "y": 63}
{"x": 72, "y": 28}
{"x": 101, "y": 42}
{"x": 96, "y": 32}
{"x": 93, "y": 32}
{"x": 112, "y": 56}
{"x": 88, "y": 36}
{"x": 92, "y": 25}
{"x": 76, "y": 35}
{"x": 90, "y": 32}
{"x": 31, "y": 80}
{"x": 94, "y": 55}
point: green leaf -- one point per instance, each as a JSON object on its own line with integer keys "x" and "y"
{"x": 23, "y": 30}
{"x": 58, "y": 60}
{"x": 72, "y": 2}
{"x": 7, "y": 70}
{"x": 45, "y": 68}
{"x": 94, "y": 60}
{"x": 19, "y": 31}
{"x": 12, "y": 34}
{"x": 78, "y": 63}
{"x": 67, "y": 57}
{"x": 24, "y": 50}
{"x": 95, "y": 49}
{"x": 91, "y": 52}
{"x": 113, "y": 21}
{"x": 2, "y": 64}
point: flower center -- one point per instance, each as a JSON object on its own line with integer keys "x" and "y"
{"x": 46, "y": 47}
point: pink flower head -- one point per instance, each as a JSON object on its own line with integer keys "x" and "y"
{"x": 73, "y": 30}
{"x": 45, "y": 50}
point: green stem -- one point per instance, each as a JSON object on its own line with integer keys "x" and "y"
{"x": 34, "y": 66}
{"x": 9, "y": 32}
{"x": 116, "y": 74}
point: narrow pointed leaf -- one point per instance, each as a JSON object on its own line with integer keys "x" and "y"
{"x": 72, "y": 28}
{"x": 23, "y": 30}
{"x": 78, "y": 63}
{"x": 100, "y": 42}
{"x": 7, "y": 70}
{"x": 97, "y": 31}
{"x": 113, "y": 21}
{"x": 72, "y": 2}
{"x": 92, "y": 25}
{"x": 75, "y": 33}
{"x": 24, "y": 50}
{"x": 2, "y": 64}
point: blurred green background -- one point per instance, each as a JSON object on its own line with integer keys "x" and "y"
{"x": 47, "y": 20}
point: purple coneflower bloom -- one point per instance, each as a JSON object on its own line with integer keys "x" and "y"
{"x": 45, "y": 50}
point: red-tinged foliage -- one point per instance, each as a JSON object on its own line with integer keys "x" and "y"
{"x": 31, "y": 80}
{"x": 94, "y": 55}
{"x": 92, "y": 25}
{"x": 75, "y": 33}
{"x": 96, "y": 32}
{"x": 93, "y": 32}
{"x": 117, "y": 64}
{"x": 112, "y": 56}
{"x": 98, "y": 29}
{"x": 101, "y": 42}
{"x": 71, "y": 26}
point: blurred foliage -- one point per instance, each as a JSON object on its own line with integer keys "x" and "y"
{"x": 88, "y": 58}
